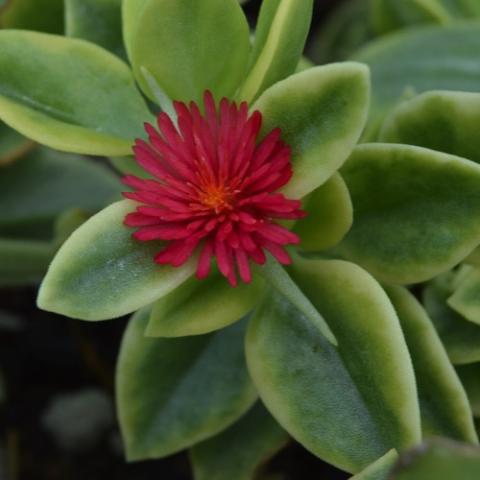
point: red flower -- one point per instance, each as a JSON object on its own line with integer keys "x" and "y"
{"x": 214, "y": 189}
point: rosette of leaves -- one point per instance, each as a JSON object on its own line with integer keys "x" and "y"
{"x": 446, "y": 121}
{"x": 350, "y": 369}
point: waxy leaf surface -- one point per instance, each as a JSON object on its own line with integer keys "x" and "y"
{"x": 131, "y": 11}
{"x": 173, "y": 393}
{"x": 380, "y": 469}
{"x": 412, "y": 62}
{"x": 321, "y": 112}
{"x": 443, "y": 121}
{"x": 443, "y": 402}
{"x": 460, "y": 337}
{"x": 280, "y": 37}
{"x": 40, "y": 15}
{"x": 238, "y": 452}
{"x": 388, "y": 15}
{"x": 68, "y": 94}
{"x": 348, "y": 405}
{"x": 189, "y": 47}
{"x": 101, "y": 272}
{"x": 198, "y": 307}
{"x": 415, "y": 211}
{"x": 98, "y": 21}
{"x": 465, "y": 299}
{"x": 41, "y": 185}
{"x": 439, "y": 460}
{"x": 330, "y": 216}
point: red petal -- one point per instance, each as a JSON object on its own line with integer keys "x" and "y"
{"x": 205, "y": 260}
{"x": 243, "y": 266}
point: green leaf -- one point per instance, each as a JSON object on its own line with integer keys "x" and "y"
{"x": 443, "y": 402}
{"x": 280, "y": 37}
{"x": 473, "y": 258}
{"x": 443, "y": 121}
{"x": 128, "y": 166}
{"x": 380, "y": 469}
{"x": 413, "y": 62}
{"x": 344, "y": 31}
{"x": 472, "y": 7}
{"x": 190, "y": 47}
{"x": 348, "y": 405}
{"x": 304, "y": 64}
{"x": 416, "y": 211}
{"x": 68, "y": 94}
{"x": 36, "y": 189}
{"x": 280, "y": 280}
{"x": 40, "y": 15}
{"x": 101, "y": 272}
{"x": 460, "y": 337}
{"x": 199, "y": 307}
{"x": 388, "y": 15}
{"x": 470, "y": 377}
{"x": 131, "y": 12}
{"x": 66, "y": 223}
{"x": 321, "y": 112}
{"x": 465, "y": 299}
{"x": 439, "y": 460}
{"x": 23, "y": 262}
{"x": 330, "y": 216}
{"x": 238, "y": 452}
{"x": 12, "y": 145}
{"x": 174, "y": 393}
{"x": 98, "y": 21}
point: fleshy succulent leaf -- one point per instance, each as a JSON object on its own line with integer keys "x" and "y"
{"x": 465, "y": 299}
{"x": 98, "y": 21}
{"x": 278, "y": 45}
{"x": 380, "y": 469}
{"x": 45, "y": 183}
{"x": 131, "y": 12}
{"x": 443, "y": 402}
{"x": 388, "y": 15}
{"x": 189, "y": 46}
{"x": 364, "y": 389}
{"x": 416, "y": 211}
{"x": 68, "y": 94}
{"x": 321, "y": 112}
{"x": 245, "y": 446}
{"x": 330, "y": 216}
{"x": 173, "y": 393}
{"x": 412, "y": 62}
{"x": 39, "y": 15}
{"x": 101, "y": 272}
{"x": 279, "y": 279}
{"x": 460, "y": 337}
{"x": 198, "y": 307}
{"x": 443, "y": 121}
{"x": 439, "y": 459}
